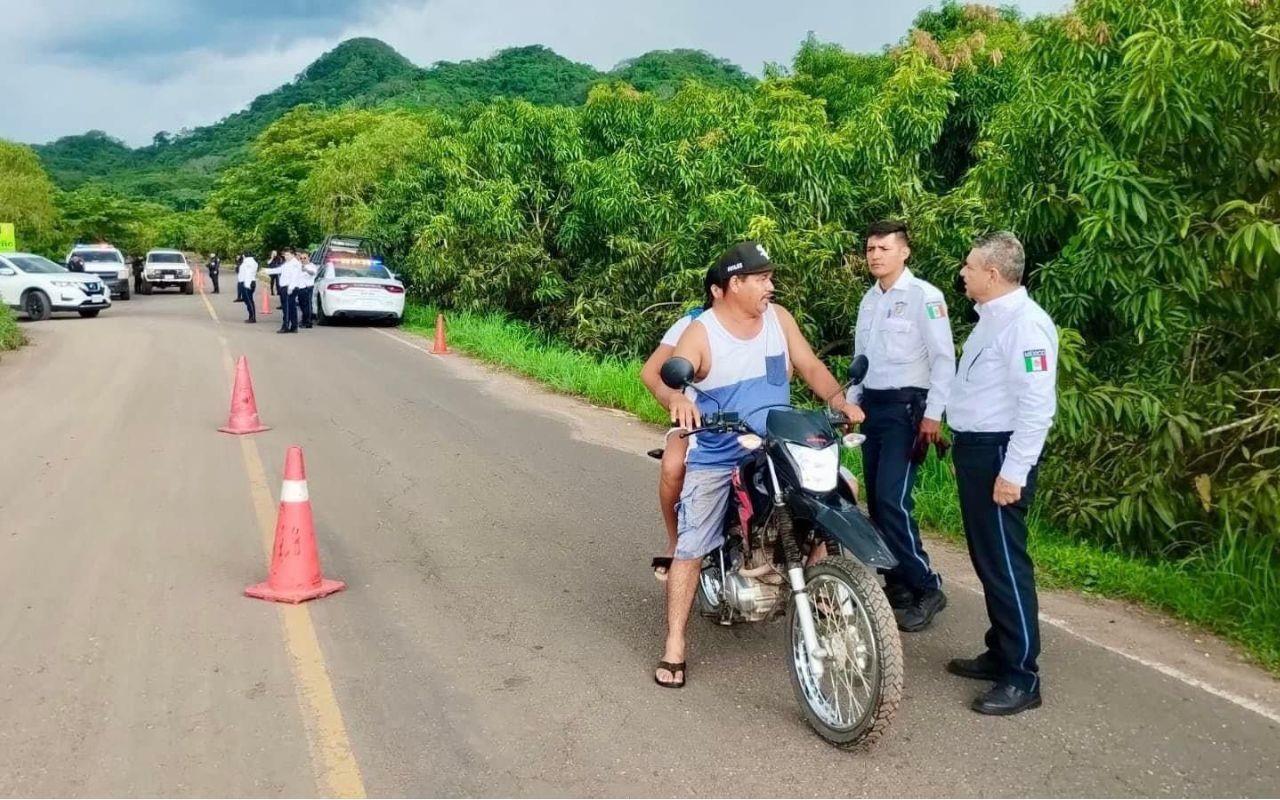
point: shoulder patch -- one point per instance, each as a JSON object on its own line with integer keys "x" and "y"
{"x": 935, "y": 309}
{"x": 1035, "y": 360}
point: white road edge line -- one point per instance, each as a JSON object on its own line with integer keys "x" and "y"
{"x": 1163, "y": 669}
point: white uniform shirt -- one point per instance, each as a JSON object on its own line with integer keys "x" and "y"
{"x": 247, "y": 272}
{"x": 905, "y": 334}
{"x": 309, "y": 271}
{"x": 1006, "y": 380}
{"x": 291, "y": 273}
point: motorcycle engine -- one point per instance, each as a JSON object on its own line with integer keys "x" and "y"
{"x": 755, "y": 598}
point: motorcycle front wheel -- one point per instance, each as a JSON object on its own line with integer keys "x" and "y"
{"x": 851, "y": 699}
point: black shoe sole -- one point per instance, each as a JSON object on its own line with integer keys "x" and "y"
{"x": 976, "y": 675}
{"x": 1006, "y": 711}
{"x": 927, "y": 620}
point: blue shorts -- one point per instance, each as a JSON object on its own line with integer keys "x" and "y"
{"x": 700, "y": 515}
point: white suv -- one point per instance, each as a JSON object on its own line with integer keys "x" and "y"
{"x": 165, "y": 268}
{"x": 39, "y": 287}
{"x": 107, "y": 263}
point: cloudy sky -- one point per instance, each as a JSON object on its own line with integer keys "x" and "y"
{"x": 134, "y": 67}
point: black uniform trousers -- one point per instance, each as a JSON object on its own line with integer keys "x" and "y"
{"x": 289, "y": 309}
{"x": 246, "y": 296}
{"x": 997, "y": 537}
{"x": 304, "y": 304}
{"x": 213, "y": 276}
{"x": 893, "y": 419}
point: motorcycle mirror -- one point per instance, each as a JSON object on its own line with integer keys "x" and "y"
{"x": 676, "y": 372}
{"x": 858, "y": 369}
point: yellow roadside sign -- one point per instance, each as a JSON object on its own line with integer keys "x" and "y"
{"x": 8, "y": 242}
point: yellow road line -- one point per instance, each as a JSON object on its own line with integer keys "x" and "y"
{"x": 213, "y": 315}
{"x": 332, "y": 759}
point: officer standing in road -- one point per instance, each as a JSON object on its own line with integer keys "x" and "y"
{"x": 1002, "y": 404}
{"x": 306, "y": 293}
{"x": 246, "y": 281}
{"x": 904, "y": 331}
{"x": 138, "y": 263}
{"x": 215, "y": 264}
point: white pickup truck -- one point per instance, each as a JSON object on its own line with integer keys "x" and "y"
{"x": 166, "y": 268}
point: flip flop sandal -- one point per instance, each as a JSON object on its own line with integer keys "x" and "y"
{"x": 673, "y": 668}
{"x": 661, "y": 566}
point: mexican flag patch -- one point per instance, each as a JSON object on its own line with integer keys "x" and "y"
{"x": 936, "y": 310}
{"x": 1035, "y": 360}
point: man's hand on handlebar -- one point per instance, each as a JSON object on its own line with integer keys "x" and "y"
{"x": 851, "y": 411}
{"x": 684, "y": 414}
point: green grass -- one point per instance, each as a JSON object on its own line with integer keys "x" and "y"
{"x": 11, "y": 336}
{"x": 1232, "y": 590}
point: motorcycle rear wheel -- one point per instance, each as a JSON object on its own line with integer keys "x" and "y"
{"x": 852, "y": 704}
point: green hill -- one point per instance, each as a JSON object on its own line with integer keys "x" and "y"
{"x": 178, "y": 169}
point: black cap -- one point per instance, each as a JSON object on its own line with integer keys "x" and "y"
{"x": 744, "y": 258}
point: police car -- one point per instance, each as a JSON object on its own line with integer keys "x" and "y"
{"x": 107, "y": 263}
{"x": 38, "y": 287}
{"x": 166, "y": 268}
{"x": 353, "y": 283}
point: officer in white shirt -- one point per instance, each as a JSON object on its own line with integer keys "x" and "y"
{"x": 904, "y": 331}
{"x": 1002, "y": 404}
{"x": 290, "y": 280}
{"x": 246, "y": 279}
{"x": 306, "y": 293}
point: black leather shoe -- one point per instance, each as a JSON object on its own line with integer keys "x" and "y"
{"x": 899, "y": 596}
{"x": 980, "y": 668}
{"x": 919, "y": 615}
{"x": 1003, "y": 700}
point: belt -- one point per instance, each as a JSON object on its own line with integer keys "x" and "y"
{"x": 909, "y": 394}
{"x": 981, "y": 438}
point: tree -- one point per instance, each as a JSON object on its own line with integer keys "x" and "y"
{"x": 26, "y": 197}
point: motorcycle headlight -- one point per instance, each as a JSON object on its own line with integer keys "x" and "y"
{"x": 819, "y": 469}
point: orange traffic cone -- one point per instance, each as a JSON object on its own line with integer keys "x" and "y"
{"x": 439, "y": 348}
{"x": 266, "y": 301}
{"x": 244, "y": 408}
{"x": 294, "y": 576}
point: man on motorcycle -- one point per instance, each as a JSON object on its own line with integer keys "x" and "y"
{"x": 743, "y": 351}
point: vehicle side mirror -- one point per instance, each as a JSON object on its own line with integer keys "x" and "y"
{"x": 8, "y": 271}
{"x": 676, "y": 372}
{"x": 858, "y": 369}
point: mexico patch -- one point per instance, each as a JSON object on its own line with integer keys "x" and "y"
{"x": 936, "y": 310}
{"x": 1035, "y": 360}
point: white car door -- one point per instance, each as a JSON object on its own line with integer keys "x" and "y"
{"x": 10, "y": 283}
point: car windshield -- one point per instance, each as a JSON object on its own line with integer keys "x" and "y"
{"x": 166, "y": 258}
{"x": 35, "y": 264}
{"x": 99, "y": 256}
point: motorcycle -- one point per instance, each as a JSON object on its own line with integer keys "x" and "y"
{"x": 789, "y": 497}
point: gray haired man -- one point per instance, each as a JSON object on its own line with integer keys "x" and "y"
{"x": 1002, "y": 403}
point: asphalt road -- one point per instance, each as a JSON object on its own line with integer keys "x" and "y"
{"x": 501, "y": 625}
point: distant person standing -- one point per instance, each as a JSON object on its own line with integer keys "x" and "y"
{"x": 307, "y": 293}
{"x": 246, "y": 280}
{"x": 138, "y": 262}
{"x": 273, "y": 263}
{"x": 215, "y": 265}
{"x": 290, "y": 282}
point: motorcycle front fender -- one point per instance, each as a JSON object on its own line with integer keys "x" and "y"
{"x": 845, "y": 523}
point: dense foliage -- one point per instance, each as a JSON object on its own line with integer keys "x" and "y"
{"x": 1133, "y": 146}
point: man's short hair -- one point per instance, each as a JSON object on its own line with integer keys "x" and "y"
{"x": 1003, "y": 251}
{"x": 887, "y": 227}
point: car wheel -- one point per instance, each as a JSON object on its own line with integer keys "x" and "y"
{"x": 126, "y": 293}
{"x": 321, "y": 317}
{"x": 89, "y": 313}
{"x": 188, "y": 288}
{"x": 36, "y": 304}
